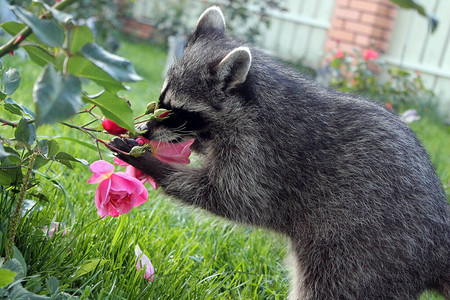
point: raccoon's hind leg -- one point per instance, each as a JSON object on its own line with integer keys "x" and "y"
{"x": 297, "y": 290}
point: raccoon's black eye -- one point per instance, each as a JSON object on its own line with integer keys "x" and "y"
{"x": 165, "y": 106}
{"x": 184, "y": 120}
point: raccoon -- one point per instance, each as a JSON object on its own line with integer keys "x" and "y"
{"x": 343, "y": 178}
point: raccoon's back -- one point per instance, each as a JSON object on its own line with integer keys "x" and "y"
{"x": 342, "y": 151}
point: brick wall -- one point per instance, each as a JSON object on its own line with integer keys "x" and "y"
{"x": 137, "y": 29}
{"x": 361, "y": 24}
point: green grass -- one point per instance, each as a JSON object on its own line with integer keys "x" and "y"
{"x": 195, "y": 256}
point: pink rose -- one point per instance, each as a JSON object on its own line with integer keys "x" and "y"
{"x": 370, "y": 54}
{"x": 171, "y": 153}
{"x": 118, "y": 192}
{"x": 142, "y": 261}
{"x": 339, "y": 54}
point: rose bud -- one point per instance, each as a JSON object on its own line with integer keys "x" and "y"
{"x": 112, "y": 128}
{"x": 161, "y": 114}
{"x": 151, "y": 106}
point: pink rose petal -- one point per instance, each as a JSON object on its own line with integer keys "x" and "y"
{"x": 142, "y": 261}
{"x": 102, "y": 170}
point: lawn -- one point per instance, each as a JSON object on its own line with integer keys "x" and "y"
{"x": 195, "y": 256}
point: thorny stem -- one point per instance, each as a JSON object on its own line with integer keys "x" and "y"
{"x": 80, "y": 127}
{"x": 6, "y": 122}
{"x": 86, "y": 130}
{"x": 16, "y": 216}
{"x": 99, "y": 152}
{"x": 15, "y": 41}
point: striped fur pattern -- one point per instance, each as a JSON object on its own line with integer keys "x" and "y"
{"x": 345, "y": 179}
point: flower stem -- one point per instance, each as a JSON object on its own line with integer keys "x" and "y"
{"x": 86, "y": 130}
{"x": 16, "y": 216}
{"x": 138, "y": 117}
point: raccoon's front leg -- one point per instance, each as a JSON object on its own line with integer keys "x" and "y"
{"x": 190, "y": 185}
{"x": 146, "y": 162}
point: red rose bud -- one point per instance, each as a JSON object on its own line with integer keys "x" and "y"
{"x": 151, "y": 106}
{"x": 161, "y": 114}
{"x": 19, "y": 39}
{"x": 112, "y": 128}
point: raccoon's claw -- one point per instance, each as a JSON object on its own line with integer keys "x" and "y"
{"x": 124, "y": 145}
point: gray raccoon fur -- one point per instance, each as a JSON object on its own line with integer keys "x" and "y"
{"x": 345, "y": 179}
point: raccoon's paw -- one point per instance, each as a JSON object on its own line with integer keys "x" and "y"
{"x": 125, "y": 147}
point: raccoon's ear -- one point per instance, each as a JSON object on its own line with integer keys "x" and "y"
{"x": 233, "y": 69}
{"x": 211, "y": 20}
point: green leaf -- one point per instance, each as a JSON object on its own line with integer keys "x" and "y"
{"x": 56, "y": 97}
{"x": 80, "y": 66}
{"x": 65, "y": 159}
{"x": 19, "y": 293}
{"x": 18, "y": 255}
{"x": 48, "y": 148}
{"x": 39, "y": 162}
{"x": 6, "y": 277}
{"x": 53, "y": 148}
{"x": 11, "y": 106}
{"x": 25, "y": 132}
{"x": 11, "y": 80}
{"x": 13, "y": 28}
{"x": 47, "y": 31}
{"x": 15, "y": 266}
{"x": 65, "y": 156}
{"x": 22, "y": 132}
{"x": 414, "y": 4}
{"x": 80, "y": 36}
{"x": 89, "y": 266}
{"x": 39, "y": 55}
{"x": 114, "y": 108}
{"x": 5, "y": 179}
{"x": 52, "y": 285}
{"x": 118, "y": 67}
{"x": 2, "y": 95}
{"x": 15, "y": 108}
{"x": 8, "y": 151}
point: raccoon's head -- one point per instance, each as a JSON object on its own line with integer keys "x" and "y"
{"x": 203, "y": 85}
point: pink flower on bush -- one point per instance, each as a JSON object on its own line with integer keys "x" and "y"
{"x": 171, "y": 153}
{"x": 339, "y": 54}
{"x": 370, "y": 54}
{"x": 142, "y": 261}
{"x": 118, "y": 192}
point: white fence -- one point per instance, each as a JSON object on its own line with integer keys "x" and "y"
{"x": 300, "y": 32}
{"x": 297, "y": 33}
{"x": 413, "y": 47}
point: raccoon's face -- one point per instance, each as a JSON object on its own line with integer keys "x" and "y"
{"x": 201, "y": 83}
